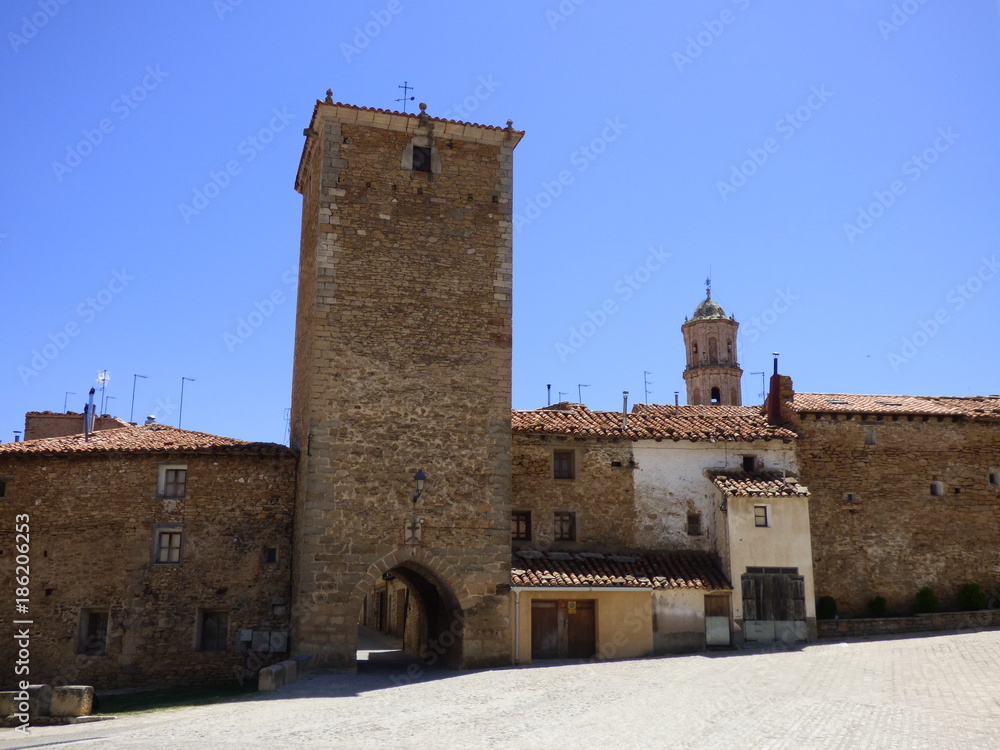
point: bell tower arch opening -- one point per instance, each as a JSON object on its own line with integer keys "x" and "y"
{"x": 714, "y": 371}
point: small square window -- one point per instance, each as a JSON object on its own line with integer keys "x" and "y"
{"x": 851, "y": 497}
{"x": 564, "y": 464}
{"x": 694, "y": 524}
{"x": 270, "y": 554}
{"x": 167, "y": 543}
{"x": 749, "y": 463}
{"x": 3, "y": 488}
{"x": 564, "y": 527}
{"x": 520, "y": 525}
{"x": 760, "y": 515}
{"x": 213, "y": 627}
{"x": 172, "y": 481}
{"x": 937, "y": 489}
{"x": 93, "y": 632}
{"x": 421, "y": 159}
{"x": 994, "y": 479}
{"x": 870, "y": 438}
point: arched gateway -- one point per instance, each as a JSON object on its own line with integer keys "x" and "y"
{"x": 402, "y": 365}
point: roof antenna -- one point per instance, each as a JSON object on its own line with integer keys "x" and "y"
{"x": 406, "y": 89}
{"x": 708, "y": 284}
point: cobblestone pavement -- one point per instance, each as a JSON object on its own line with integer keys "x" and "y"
{"x": 937, "y": 692}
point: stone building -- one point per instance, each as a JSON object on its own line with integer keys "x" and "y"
{"x": 402, "y": 367}
{"x": 157, "y": 555}
{"x": 905, "y": 494}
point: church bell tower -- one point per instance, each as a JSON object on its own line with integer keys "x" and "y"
{"x": 713, "y": 373}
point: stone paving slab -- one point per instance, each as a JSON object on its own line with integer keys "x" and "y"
{"x": 939, "y": 692}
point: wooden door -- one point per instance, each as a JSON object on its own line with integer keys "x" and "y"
{"x": 563, "y": 629}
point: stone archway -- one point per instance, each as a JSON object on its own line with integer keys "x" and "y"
{"x": 433, "y": 633}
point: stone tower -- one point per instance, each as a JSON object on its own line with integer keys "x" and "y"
{"x": 713, "y": 372}
{"x": 403, "y": 365}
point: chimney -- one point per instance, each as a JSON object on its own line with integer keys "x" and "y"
{"x": 17, "y": 436}
{"x": 624, "y": 410}
{"x": 151, "y": 419}
{"x": 677, "y": 399}
{"x": 773, "y": 403}
{"x": 88, "y": 416}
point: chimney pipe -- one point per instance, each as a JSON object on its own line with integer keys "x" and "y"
{"x": 88, "y": 417}
{"x": 677, "y": 399}
{"x": 774, "y": 396}
{"x": 548, "y": 391}
{"x": 17, "y": 436}
{"x": 624, "y": 410}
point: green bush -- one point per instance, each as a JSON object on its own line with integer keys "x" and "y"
{"x": 826, "y": 608}
{"x": 927, "y": 601}
{"x": 971, "y": 598}
{"x": 878, "y": 607}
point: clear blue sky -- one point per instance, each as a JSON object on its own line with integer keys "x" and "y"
{"x": 837, "y": 167}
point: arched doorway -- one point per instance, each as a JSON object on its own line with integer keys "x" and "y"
{"x": 410, "y": 617}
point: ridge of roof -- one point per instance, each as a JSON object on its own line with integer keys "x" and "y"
{"x": 140, "y": 439}
{"x": 412, "y": 114}
{"x": 973, "y": 407}
{"x": 654, "y": 422}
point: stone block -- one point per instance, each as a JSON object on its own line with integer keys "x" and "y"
{"x": 291, "y": 668}
{"x": 271, "y": 678}
{"x": 72, "y": 700}
{"x": 39, "y": 697}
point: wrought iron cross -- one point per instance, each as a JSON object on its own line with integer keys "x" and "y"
{"x": 406, "y": 88}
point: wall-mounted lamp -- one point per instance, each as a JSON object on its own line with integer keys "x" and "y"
{"x": 418, "y": 479}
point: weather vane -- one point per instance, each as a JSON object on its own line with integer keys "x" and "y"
{"x": 406, "y": 88}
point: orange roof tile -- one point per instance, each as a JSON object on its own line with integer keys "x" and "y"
{"x": 652, "y": 422}
{"x": 141, "y": 439}
{"x": 757, "y": 484}
{"x": 970, "y": 407}
{"x": 685, "y": 569}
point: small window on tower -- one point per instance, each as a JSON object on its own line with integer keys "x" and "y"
{"x": 421, "y": 159}
{"x": 716, "y": 396}
{"x": 995, "y": 477}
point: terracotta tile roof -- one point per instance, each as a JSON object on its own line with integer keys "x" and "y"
{"x": 322, "y": 102}
{"x": 141, "y": 439}
{"x": 647, "y": 570}
{"x": 757, "y": 484}
{"x": 651, "y": 422}
{"x": 970, "y": 407}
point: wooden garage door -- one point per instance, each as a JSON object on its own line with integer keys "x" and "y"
{"x": 563, "y": 629}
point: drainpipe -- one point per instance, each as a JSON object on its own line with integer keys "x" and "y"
{"x": 517, "y": 627}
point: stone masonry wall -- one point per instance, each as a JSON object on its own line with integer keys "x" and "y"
{"x": 602, "y": 494}
{"x": 402, "y": 363}
{"x": 91, "y": 547}
{"x": 894, "y": 537}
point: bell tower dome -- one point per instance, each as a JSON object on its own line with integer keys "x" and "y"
{"x": 713, "y": 373}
